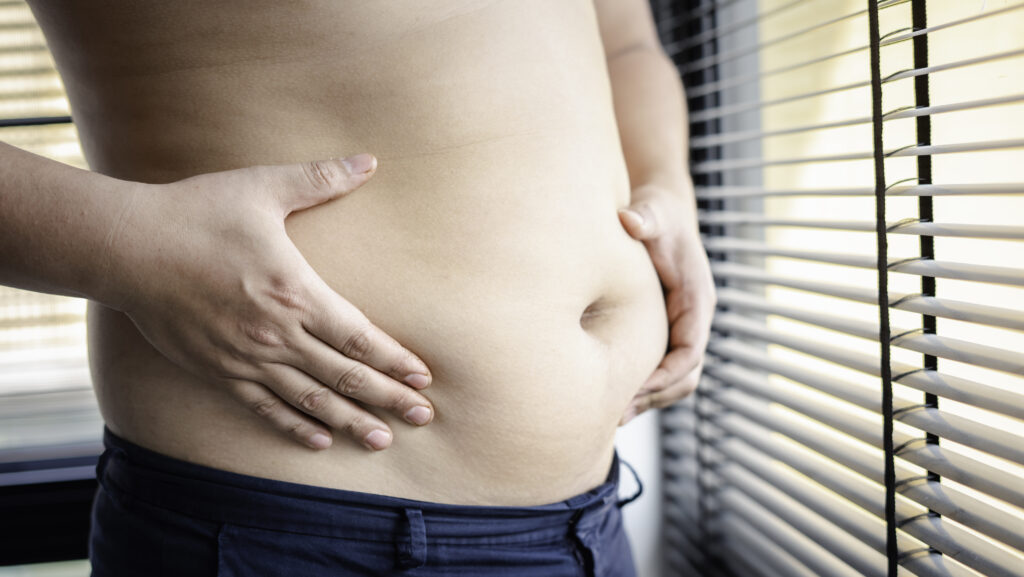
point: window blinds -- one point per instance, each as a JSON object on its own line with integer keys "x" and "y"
{"x": 49, "y": 425}
{"x": 848, "y": 153}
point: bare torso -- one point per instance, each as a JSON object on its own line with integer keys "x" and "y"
{"x": 488, "y": 230}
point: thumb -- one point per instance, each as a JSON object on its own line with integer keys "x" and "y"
{"x": 308, "y": 184}
{"x": 639, "y": 221}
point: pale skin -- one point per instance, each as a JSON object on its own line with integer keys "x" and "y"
{"x": 651, "y": 113}
{"x": 186, "y": 288}
{"x": 186, "y": 292}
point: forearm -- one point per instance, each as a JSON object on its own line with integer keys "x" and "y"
{"x": 57, "y": 224}
{"x": 650, "y": 109}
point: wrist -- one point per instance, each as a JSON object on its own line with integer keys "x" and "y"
{"x": 676, "y": 182}
{"x": 122, "y": 246}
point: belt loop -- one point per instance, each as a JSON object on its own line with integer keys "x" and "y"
{"x": 639, "y": 486}
{"x": 101, "y": 464}
{"x": 104, "y": 461}
{"x": 413, "y": 554}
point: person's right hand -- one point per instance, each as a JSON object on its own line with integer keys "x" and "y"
{"x": 206, "y": 271}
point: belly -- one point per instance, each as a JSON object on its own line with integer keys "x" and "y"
{"x": 538, "y": 316}
{"x": 487, "y": 243}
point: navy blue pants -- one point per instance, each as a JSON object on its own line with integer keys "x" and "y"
{"x": 157, "y": 516}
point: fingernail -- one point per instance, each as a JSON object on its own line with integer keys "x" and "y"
{"x": 419, "y": 415}
{"x": 636, "y": 218}
{"x": 320, "y": 441}
{"x": 378, "y": 439}
{"x": 417, "y": 381}
{"x": 360, "y": 163}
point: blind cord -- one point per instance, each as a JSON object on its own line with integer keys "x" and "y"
{"x": 882, "y": 258}
{"x": 922, "y": 99}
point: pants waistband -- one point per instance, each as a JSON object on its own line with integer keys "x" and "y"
{"x": 138, "y": 474}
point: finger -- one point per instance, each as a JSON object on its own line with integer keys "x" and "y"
{"x": 358, "y": 381}
{"x": 676, "y": 391}
{"x": 677, "y": 364}
{"x": 637, "y": 406}
{"x": 344, "y": 328}
{"x": 631, "y": 412}
{"x": 312, "y": 398}
{"x": 641, "y": 220}
{"x": 632, "y": 222}
{"x": 284, "y": 418}
{"x": 308, "y": 184}
{"x": 658, "y": 380}
{"x": 690, "y": 317}
{"x": 663, "y": 397}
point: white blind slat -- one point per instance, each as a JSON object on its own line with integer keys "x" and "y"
{"x": 1010, "y": 403}
{"x": 976, "y": 474}
{"x": 988, "y": 189}
{"x": 945, "y": 347}
{"x": 992, "y": 440}
{"x": 938, "y": 307}
{"x": 900, "y": 227}
{"x": 971, "y": 550}
{"x": 931, "y": 268}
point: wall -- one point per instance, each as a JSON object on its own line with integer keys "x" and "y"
{"x": 638, "y": 444}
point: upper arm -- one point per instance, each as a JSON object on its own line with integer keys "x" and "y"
{"x": 625, "y": 26}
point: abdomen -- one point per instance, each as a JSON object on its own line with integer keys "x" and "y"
{"x": 487, "y": 232}
{"x": 538, "y": 315}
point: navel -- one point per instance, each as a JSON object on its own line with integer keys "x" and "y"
{"x": 592, "y": 314}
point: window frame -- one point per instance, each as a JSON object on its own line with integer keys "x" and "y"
{"x": 703, "y": 543}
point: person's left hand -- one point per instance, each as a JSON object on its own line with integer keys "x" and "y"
{"x": 661, "y": 219}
